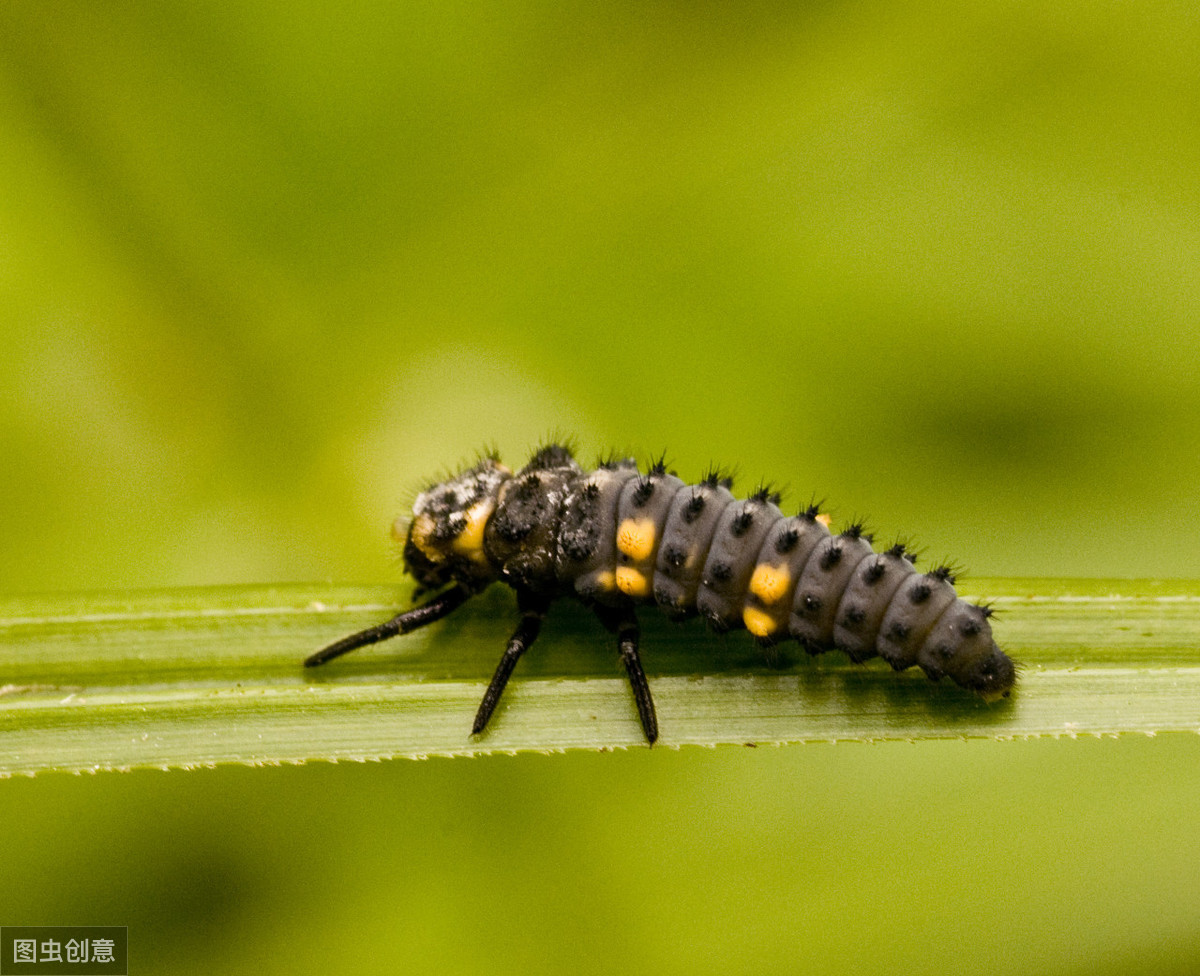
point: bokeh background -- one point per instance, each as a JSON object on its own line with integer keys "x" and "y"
{"x": 265, "y": 267}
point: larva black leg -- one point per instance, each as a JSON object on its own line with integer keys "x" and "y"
{"x": 533, "y": 612}
{"x": 624, "y": 624}
{"x": 402, "y": 623}
{"x": 628, "y": 638}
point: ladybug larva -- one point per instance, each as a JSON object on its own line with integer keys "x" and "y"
{"x": 616, "y": 538}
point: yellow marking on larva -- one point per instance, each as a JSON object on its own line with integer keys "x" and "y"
{"x": 770, "y": 583}
{"x": 400, "y": 528}
{"x": 631, "y": 582}
{"x": 605, "y": 581}
{"x": 469, "y": 542}
{"x": 635, "y": 538}
{"x": 825, "y": 519}
{"x": 422, "y": 529}
{"x": 758, "y": 623}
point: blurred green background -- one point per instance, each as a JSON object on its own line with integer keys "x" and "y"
{"x": 265, "y": 267}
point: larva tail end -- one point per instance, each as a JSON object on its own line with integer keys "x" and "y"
{"x": 992, "y": 676}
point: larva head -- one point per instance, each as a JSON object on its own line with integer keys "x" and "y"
{"x": 443, "y": 541}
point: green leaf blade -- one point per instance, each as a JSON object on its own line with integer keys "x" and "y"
{"x": 205, "y": 676}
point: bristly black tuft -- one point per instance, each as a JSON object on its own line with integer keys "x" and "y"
{"x": 787, "y": 540}
{"x": 831, "y": 557}
{"x": 644, "y": 490}
{"x": 857, "y": 529}
{"x": 555, "y": 444}
{"x": 874, "y": 572}
{"x": 765, "y": 492}
{"x": 694, "y": 507}
{"x": 717, "y": 476}
{"x": 911, "y": 553}
{"x": 659, "y": 466}
{"x": 946, "y": 571}
{"x": 551, "y": 456}
{"x": 743, "y": 520}
{"x": 612, "y": 460}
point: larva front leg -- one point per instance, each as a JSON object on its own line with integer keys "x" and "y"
{"x": 403, "y": 623}
{"x": 623, "y": 622}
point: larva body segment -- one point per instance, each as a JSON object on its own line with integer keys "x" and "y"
{"x": 732, "y": 559}
{"x": 866, "y": 600}
{"x": 787, "y": 547}
{"x": 821, "y": 587}
{"x": 641, "y": 515}
{"x": 521, "y": 539}
{"x": 587, "y": 538}
{"x": 910, "y": 616}
{"x": 616, "y": 539}
{"x": 687, "y": 536}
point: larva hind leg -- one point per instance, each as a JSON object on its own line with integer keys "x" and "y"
{"x": 623, "y": 622}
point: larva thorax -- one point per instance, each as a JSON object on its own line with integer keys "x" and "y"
{"x": 616, "y": 536}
